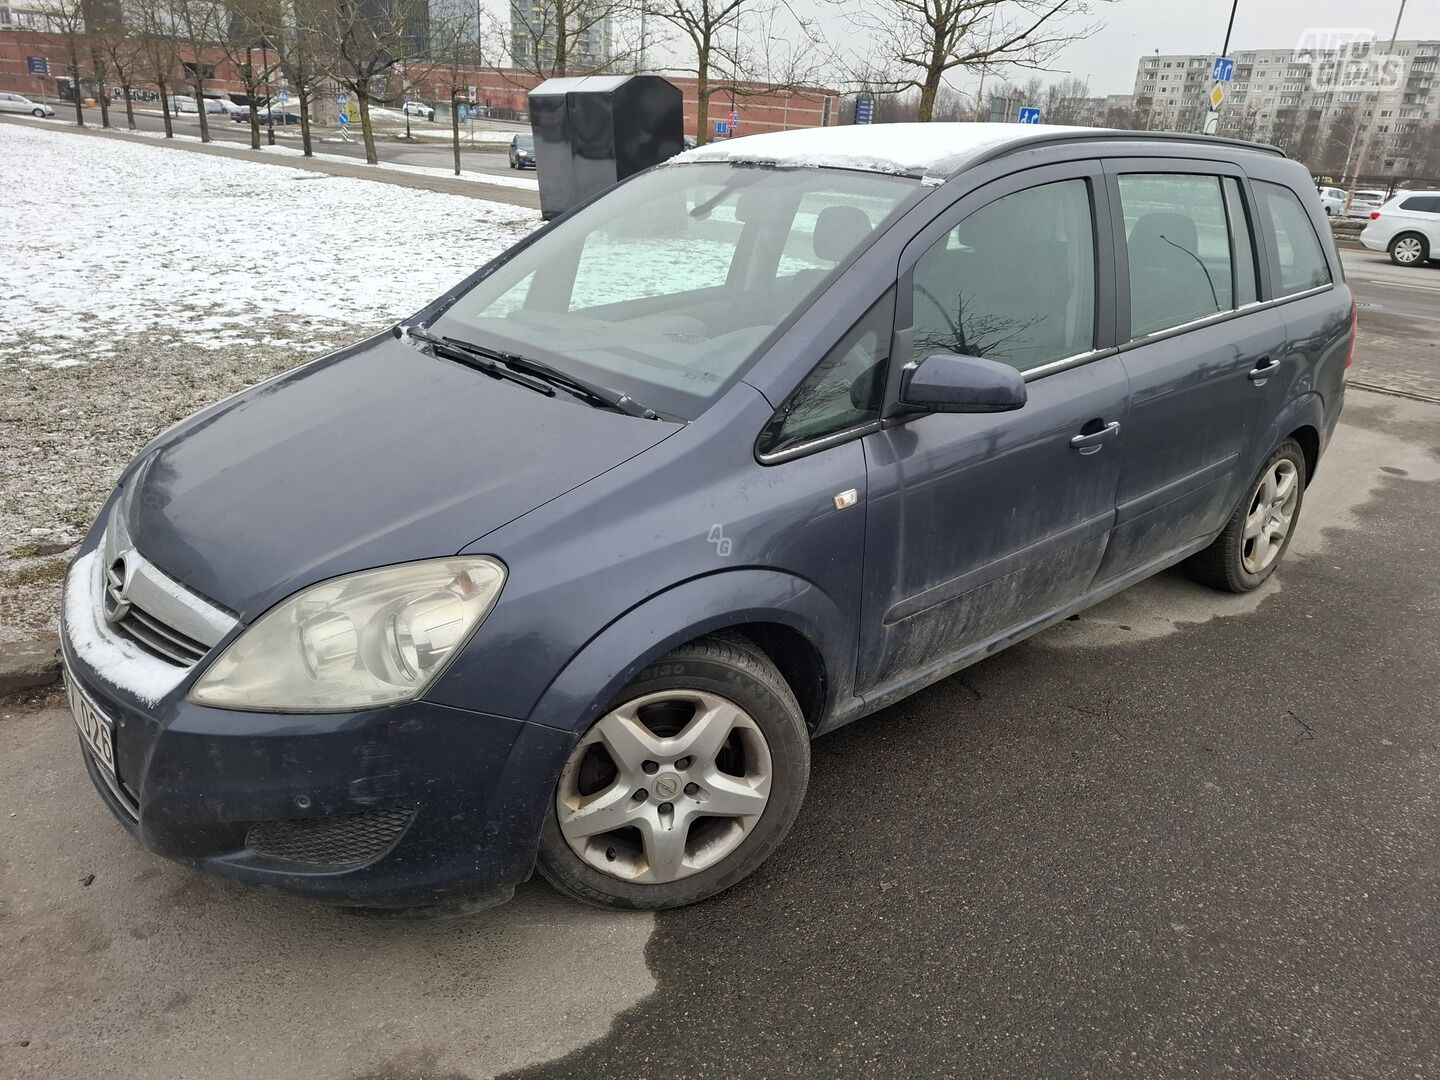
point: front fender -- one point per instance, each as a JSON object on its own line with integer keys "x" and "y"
{"x": 596, "y": 675}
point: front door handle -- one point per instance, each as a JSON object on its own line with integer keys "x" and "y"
{"x": 1263, "y": 369}
{"x": 1090, "y": 442}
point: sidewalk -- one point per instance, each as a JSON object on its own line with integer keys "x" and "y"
{"x": 411, "y": 176}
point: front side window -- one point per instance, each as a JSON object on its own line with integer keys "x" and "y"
{"x": 1013, "y": 282}
{"x": 843, "y": 391}
{"x": 669, "y": 286}
{"x": 1177, "y": 236}
{"x": 1302, "y": 260}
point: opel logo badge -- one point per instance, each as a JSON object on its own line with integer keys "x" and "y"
{"x": 667, "y": 787}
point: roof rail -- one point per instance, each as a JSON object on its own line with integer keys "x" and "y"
{"x": 1059, "y": 135}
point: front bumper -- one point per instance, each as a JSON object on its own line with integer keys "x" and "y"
{"x": 415, "y": 805}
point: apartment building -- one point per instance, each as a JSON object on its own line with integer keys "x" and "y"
{"x": 533, "y": 36}
{"x": 1300, "y": 100}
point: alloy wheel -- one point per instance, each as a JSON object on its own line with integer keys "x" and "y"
{"x": 664, "y": 786}
{"x": 1407, "y": 250}
{"x": 1272, "y": 512}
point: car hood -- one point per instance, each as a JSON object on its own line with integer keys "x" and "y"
{"x": 379, "y": 454}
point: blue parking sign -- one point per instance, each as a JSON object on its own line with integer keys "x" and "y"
{"x": 1029, "y": 116}
{"x": 722, "y": 127}
{"x": 38, "y": 66}
{"x": 1224, "y": 69}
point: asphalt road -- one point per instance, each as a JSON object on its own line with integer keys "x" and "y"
{"x": 434, "y": 152}
{"x": 1399, "y": 309}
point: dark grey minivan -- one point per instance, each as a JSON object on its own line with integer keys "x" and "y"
{"x": 566, "y": 570}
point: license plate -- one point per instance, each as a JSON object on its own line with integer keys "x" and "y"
{"x": 96, "y": 729}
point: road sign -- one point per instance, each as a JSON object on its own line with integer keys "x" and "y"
{"x": 864, "y": 110}
{"x": 1217, "y": 95}
{"x": 283, "y": 95}
{"x": 1224, "y": 69}
{"x": 1029, "y": 115}
{"x": 37, "y": 65}
{"x": 734, "y": 118}
{"x": 342, "y": 100}
{"x": 344, "y": 120}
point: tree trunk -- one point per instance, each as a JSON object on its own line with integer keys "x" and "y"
{"x": 928, "y": 91}
{"x": 200, "y": 104}
{"x": 75, "y": 87}
{"x": 254, "y": 120}
{"x": 302, "y": 94}
{"x": 165, "y": 108}
{"x": 562, "y": 33}
{"x": 702, "y": 98}
{"x": 102, "y": 92}
{"x": 126, "y": 88}
{"x": 363, "y": 100}
{"x": 455, "y": 128}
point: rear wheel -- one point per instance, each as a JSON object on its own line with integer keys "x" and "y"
{"x": 684, "y": 787}
{"x": 1250, "y": 547}
{"x": 1408, "y": 249}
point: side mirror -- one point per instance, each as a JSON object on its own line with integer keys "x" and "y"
{"x": 945, "y": 382}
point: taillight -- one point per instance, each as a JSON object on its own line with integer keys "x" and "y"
{"x": 1374, "y": 215}
{"x": 1354, "y": 322}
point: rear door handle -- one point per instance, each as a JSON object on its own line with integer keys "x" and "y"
{"x": 1089, "y": 443}
{"x": 1263, "y": 369}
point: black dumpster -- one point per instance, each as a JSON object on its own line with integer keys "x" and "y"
{"x": 594, "y": 130}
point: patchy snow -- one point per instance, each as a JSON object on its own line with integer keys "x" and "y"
{"x": 103, "y": 240}
{"x": 908, "y": 149}
{"x": 119, "y": 662}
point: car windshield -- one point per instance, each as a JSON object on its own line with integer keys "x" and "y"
{"x": 525, "y": 142}
{"x": 669, "y": 286}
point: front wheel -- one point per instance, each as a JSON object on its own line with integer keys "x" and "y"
{"x": 38, "y": 112}
{"x": 1408, "y": 249}
{"x": 1252, "y": 543}
{"x": 684, "y": 787}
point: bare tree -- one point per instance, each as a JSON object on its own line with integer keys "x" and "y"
{"x": 916, "y": 44}
{"x": 200, "y": 25}
{"x": 553, "y": 38}
{"x": 67, "y": 17}
{"x": 456, "y": 33}
{"x": 120, "y": 46}
{"x": 365, "y": 41}
{"x": 295, "y": 32}
{"x": 751, "y": 43}
{"x": 158, "y": 56}
{"x": 1066, "y": 102}
{"x": 245, "y": 29}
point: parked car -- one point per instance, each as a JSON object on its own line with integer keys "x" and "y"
{"x": 522, "y": 151}
{"x": 19, "y": 103}
{"x": 1332, "y": 200}
{"x": 228, "y": 107}
{"x": 566, "y": 570}
{"x": 1364, "y": 202}
{"x": 275, "y": 114}
{"x": 179, "y": 104}
{"x": 420, "y": 109}
{"x": 1408, "y": 227}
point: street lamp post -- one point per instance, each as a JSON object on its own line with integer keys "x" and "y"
{"x": 1370, "y": 124}
{"x": 269, "y": 92}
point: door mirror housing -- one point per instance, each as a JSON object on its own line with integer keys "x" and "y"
{"x": 946, "y": 382}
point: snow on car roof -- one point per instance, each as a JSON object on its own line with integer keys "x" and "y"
{"x": 906, "y": 149}
{"x": 931, "y": 151}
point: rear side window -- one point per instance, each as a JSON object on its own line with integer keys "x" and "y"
{"x": 1177, "y": 235}
{"x": 1013, "y": 282}
{"x": 1425, "y": 204}
{"x": 843, "y": 391}
{"x": 1297, "y": 247}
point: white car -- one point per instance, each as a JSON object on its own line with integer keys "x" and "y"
{"x": 180, "y": 104}
{"x": 420, "y": 109}
{"x": 19, "y": 103}
{"x": 225, "y": 105}
{"x": 1333, "y": 200}
{"x": 1364, "y": 203}
{"x": 1408, "y": 227}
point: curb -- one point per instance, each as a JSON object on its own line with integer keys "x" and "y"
{"x": 25, "y": 665}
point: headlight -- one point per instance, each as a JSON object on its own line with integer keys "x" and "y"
{"x": 372, "y": 638}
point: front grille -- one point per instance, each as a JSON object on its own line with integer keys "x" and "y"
{"x": 332, "y": 841}
{"x": 142, "y": 627}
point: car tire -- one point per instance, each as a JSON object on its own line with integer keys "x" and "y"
{"x": 1234, "y": 562}
{"x": 38, "y": 112}
{"x": 1409, "y": 249}
{"x": 769, "y": 740}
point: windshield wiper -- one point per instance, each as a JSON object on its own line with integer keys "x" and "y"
{"x": 514, "y": 362}
{"x": 474, "y": 358}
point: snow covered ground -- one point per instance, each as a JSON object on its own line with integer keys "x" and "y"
{"x": 139, "y": 283}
